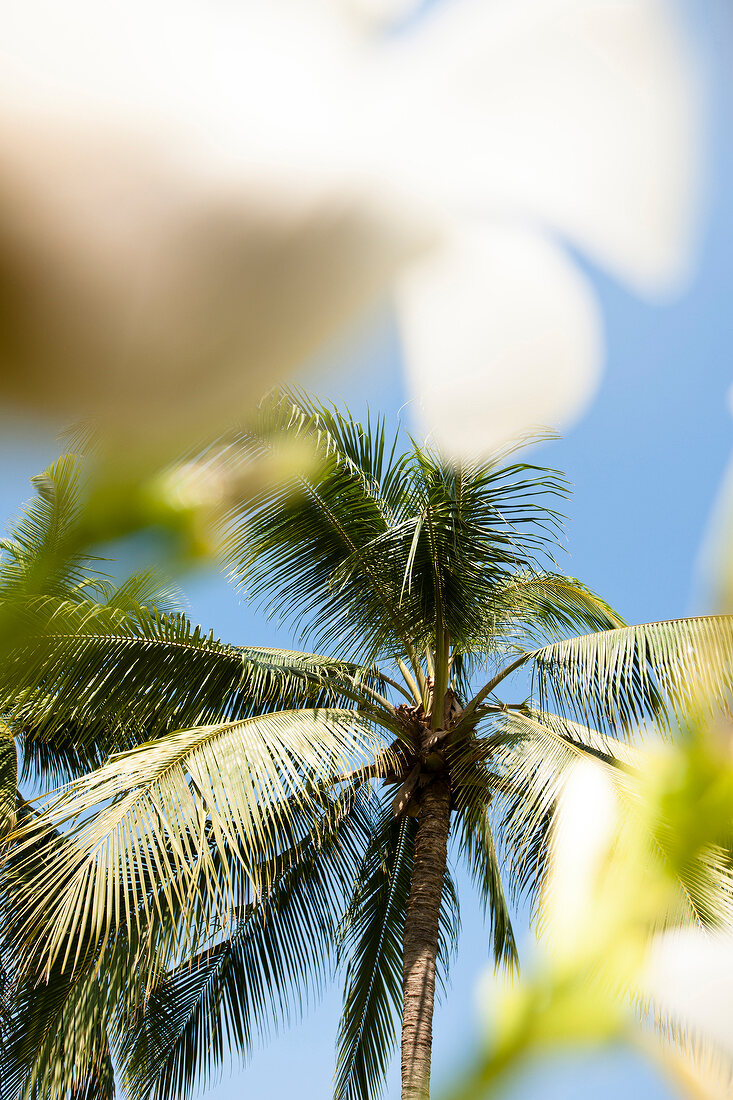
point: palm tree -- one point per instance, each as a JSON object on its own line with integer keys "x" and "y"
{"x": 268, "y": 812}
{"x": 49, "y": 583}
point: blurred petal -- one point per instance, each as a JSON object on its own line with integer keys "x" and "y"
{"x": 204, "y": 233}
{"x": 689, "y": 975}
{"x": 715, "y": 560}
{"x": 161, "y": 302}
{"x": 584, "y": 829}
{"x": 382, "y": 12}
{"x": 501, "y": 335}
{"x": 195, "y": 197}
{"x": 583, "y": 114}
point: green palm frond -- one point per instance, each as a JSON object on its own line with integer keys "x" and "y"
{"x": 702, "y": 1066}
{"x": 275, "y": 957}
{"x": 474, "y": 528}
{"x": 618, "y": 679}
{"x": 287, "y": 543}
{"x": 530, "y": 755}
{"x": 476, "y": 845}
{"x": 147, "y": 588}
{"x": 8, "y": 780}
{"x": 367, "y": 448}
{"x": 704, "y": 885}
{"x": 43, "y": 553}
{"x": 38, "y": 557}
{"x": 371, "y": 945}
{"x": 163, "y": 805}
{"x": 54, "y": 1033}
{"x": 370, "y": 549}
{"x": 581, "y": 739}
{"x": 55, "y": 1042}
{"x": 532, "y": 759}
{"x": 75, "y": 697}
{"x": 534, "y": 607}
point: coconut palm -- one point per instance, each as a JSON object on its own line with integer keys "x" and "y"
{"x": 274, "y": 812}
{"x": 48, "y": 582}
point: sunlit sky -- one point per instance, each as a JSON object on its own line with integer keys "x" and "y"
{"x": 645, "y": 463}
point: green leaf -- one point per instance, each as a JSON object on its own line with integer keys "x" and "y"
{"x": 365, "y": 552}
{"x": 38, "y": 557}
{"x": 75, "y": 695}
{"x": 274, "y": 960}
{"x": 371, "y": 945}
{"x": 531, "y": 754}
{"x": 234, "y": 788}
{"x": 617, "y": 679}
{"x": 533, "y": 607}
{"x": 55, "y": 1044}
{"x": 478, "y": 849}
{"x": 8, "y": 779}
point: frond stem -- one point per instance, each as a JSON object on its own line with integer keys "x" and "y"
{"x": 372, "y": 695}
{"x": 396, "y": 684}
{"x": 470, "y": 707}
{"x": 410, "y": 681}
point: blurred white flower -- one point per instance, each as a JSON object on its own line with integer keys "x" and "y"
{"x": 198, "y": 196}
{"x": 585, "y": 829}
{"x": 689, "y": 976}
{"x": 714, "y": 566}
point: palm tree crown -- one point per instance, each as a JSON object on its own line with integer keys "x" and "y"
{"x": 267, "y": 813}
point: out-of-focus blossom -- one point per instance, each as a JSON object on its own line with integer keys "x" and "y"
{"x": 586, "y": 828}
{"x": 689, "y": 974}
{"x": 715, "y": 565}
{"x": 636, "y": 920}
{"x": 197, "y": 197}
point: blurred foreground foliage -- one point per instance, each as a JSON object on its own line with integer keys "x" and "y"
{"x": 615, "y": 964}
{"x": 92, "y": 500}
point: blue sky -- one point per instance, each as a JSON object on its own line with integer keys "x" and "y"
{"x": 645, "y": 463}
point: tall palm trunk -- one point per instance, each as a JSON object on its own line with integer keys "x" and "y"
{"x": 420, "y": 945}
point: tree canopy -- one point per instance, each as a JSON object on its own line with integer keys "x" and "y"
{"x": 235, "y": 821}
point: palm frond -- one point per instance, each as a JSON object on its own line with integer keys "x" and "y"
{"x": 532, "y": 757}
{"x": 55, "y": 1043}
{"x": 371, "y": 944}
{"x": 87, "y": 685}
{"x": 277, "y": 955}
{"x": 148, "y": 588}
{"x": 164, "y": 805}
{"x": 38, "y": 556}
{"x": 475, "y": 528}
{"x": 534, "y": 607}
{"x": 370, "y": 548}
{"x": 617, "y": 679}
{"x": 463, "y": 533}
{"x": 701, "y": 1068}
{"x": 287, "y": 543}
{"x": 368, "y": 448}
{"x": 476, "y": 845}
{"x": 8, "y": 781}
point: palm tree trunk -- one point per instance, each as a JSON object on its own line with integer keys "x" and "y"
{"x": 420, "y": 945}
